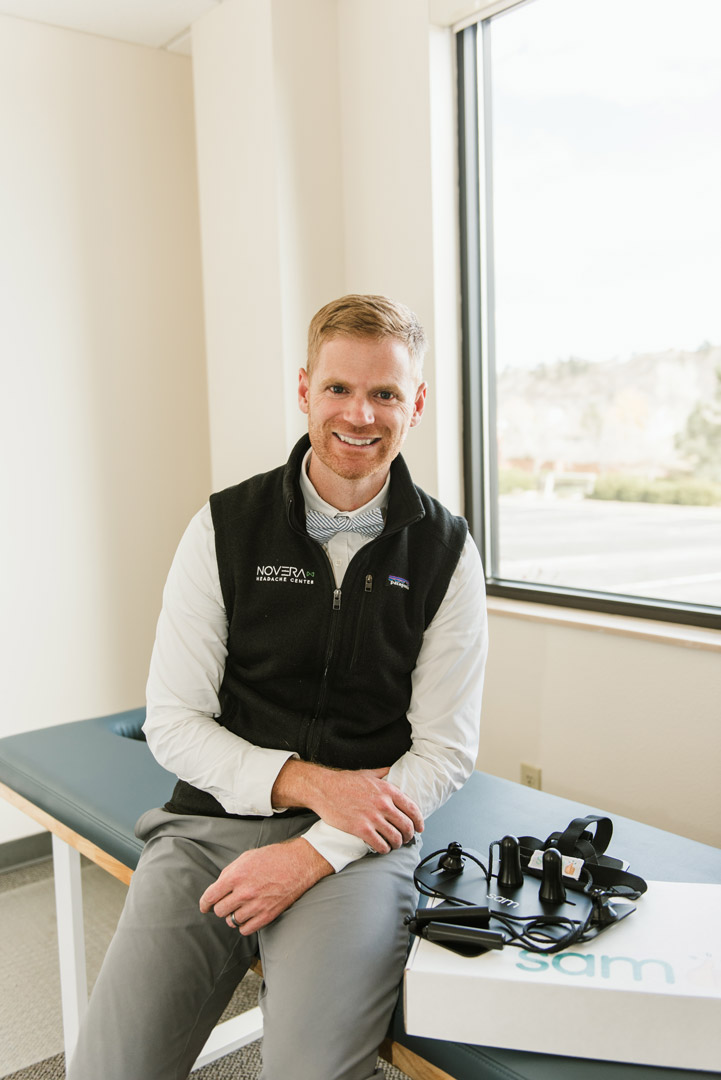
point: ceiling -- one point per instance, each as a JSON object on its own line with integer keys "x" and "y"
{"x": 165, "y": 24}
{"x": 160, "y": 24}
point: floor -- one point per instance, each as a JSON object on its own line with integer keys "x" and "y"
{"x": 30, "y": 1016}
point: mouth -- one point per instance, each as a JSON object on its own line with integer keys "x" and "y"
{"x": 350, "y": 440}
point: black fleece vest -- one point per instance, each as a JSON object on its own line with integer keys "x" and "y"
{"x": 322, "y": 671}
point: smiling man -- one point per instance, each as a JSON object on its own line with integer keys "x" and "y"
{"x": 316, "y": 687}
{"x": 364, "y": 396}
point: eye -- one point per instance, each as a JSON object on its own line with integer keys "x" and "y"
{"x": 336, "y": 388}
{"x": 386, "y": 395}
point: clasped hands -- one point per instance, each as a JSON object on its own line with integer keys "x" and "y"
{"x": 261, "y": 883}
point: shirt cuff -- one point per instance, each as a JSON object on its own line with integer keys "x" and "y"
{"x": 260, "y": 771}
{"x": 337, "y": 847}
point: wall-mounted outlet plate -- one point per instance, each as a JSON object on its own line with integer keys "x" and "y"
{"x": 530, "y": 776}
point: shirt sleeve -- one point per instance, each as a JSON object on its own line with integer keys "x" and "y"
{"x": 445, "y": 707}
{"x": 186, "y": 670}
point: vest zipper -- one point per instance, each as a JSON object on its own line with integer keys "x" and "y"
{"x": 311, "y": 741}
{"x": 362, "y": 618}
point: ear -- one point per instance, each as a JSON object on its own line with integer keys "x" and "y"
{"x": 419, "y": 404}
{"x": 303, "y": 391}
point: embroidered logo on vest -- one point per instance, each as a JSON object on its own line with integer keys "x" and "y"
{"x": 295, "y": 575}
{"x": 399, "y": 582}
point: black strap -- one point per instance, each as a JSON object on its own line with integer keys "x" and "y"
{"x": 577, "y": 841}
{"x": 577, "y": 837}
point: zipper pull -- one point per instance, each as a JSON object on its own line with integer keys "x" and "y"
{"x": 369, "y": 583}
{"x": 336, "y": 600}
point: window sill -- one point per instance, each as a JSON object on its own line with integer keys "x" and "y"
{"x": 692, "y": 637}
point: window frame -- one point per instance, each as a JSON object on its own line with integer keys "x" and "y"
{"x": 478, "y": 363}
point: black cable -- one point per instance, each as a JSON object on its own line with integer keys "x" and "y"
{"x": 536, "y": 938}
{"x": 438, "y": 894}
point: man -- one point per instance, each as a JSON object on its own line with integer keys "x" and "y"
{"x": 315, "y": 685}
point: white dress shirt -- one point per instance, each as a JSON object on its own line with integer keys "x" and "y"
{"x": 188, "y": 663}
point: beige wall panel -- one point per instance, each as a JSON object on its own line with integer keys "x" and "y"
{"x": 104, "y": 410}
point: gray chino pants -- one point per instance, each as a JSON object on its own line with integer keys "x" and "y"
{"x": 332, "y": 962}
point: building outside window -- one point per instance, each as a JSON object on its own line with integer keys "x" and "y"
{"x": 591, "y": 170}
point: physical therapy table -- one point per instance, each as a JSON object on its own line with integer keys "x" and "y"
{"x": 88, "y": 782}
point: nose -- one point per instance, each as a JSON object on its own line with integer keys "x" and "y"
{"x": 358, "y": 411}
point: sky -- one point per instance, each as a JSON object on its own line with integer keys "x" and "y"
{"x": 606, "y": 178}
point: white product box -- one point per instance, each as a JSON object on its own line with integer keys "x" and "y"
{"x": 646, "y": 991}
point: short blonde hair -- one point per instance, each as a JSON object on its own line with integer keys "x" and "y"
{"x": 369, "y": 316}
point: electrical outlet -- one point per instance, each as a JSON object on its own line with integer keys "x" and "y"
{"x": 530, "y": 776}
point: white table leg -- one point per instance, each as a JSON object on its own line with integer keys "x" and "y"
{"x": 71, "y": 940}
{"x": 231, "y": 1035}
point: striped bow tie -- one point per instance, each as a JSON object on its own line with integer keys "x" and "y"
{"x": 322, "y": 526}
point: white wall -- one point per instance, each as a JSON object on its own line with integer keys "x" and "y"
{"x": 269, "y": 165}
{"x": 315, "y": 145}
{"x": 613, "y": 720}
{"x": 399, "y": 200}
{"x": 104, "y": 423}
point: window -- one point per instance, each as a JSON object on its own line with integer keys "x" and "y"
{"x": 590, "y": 145}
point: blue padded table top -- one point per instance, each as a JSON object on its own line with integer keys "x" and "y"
{"x": 95, "y": 776}
{"x": 98, "y": 776}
